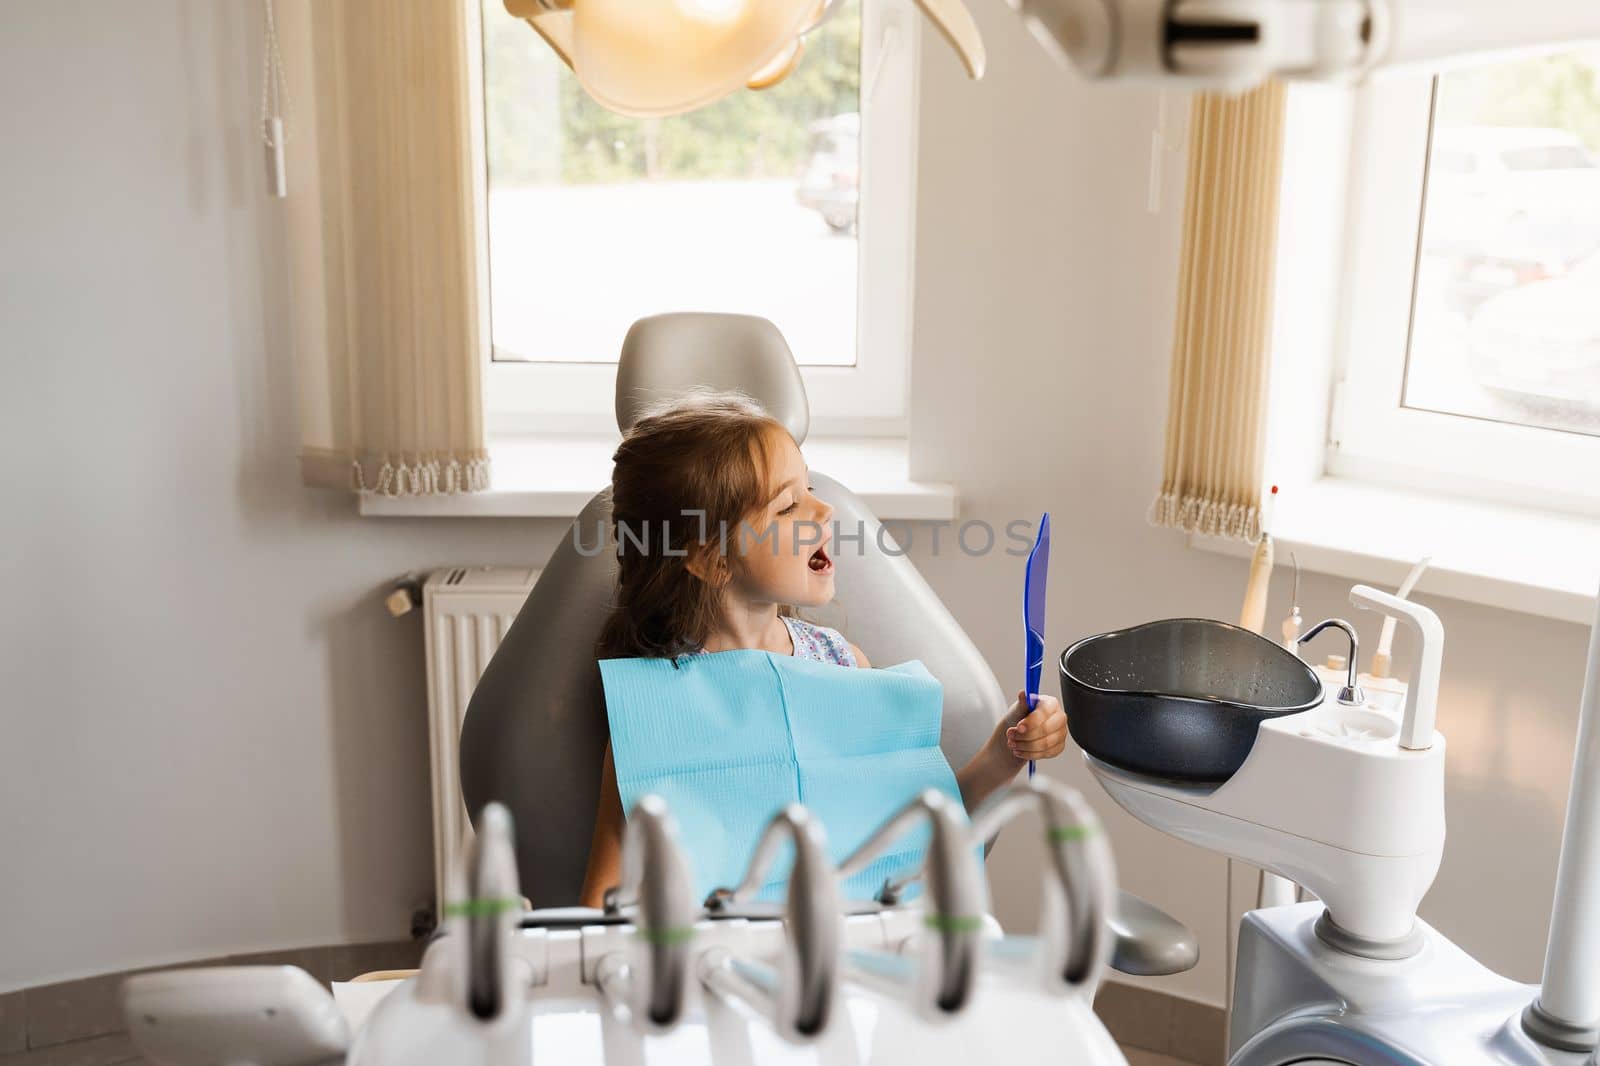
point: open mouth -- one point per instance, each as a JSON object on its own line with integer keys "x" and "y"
{"x": 819, "y": 562}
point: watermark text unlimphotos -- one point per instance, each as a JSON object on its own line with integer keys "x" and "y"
{"x": 672, "y": 538}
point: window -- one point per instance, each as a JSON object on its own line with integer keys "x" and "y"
{"x": 792, "y": 203}
{"x": 1473, "y": 294}
{"x": 1506, "y": 322}
{"x": 1378, "y": 466}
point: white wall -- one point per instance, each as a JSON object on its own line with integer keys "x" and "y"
{"x": 213, "y": 736}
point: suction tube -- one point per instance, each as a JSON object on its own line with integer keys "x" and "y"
{"x": 1566, "y": 1015}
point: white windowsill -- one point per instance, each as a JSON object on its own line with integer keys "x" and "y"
{"x": 1517, "y": 558}
{"x": 553, "y": 477}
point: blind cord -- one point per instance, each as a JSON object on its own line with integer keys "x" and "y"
{"x": 274, "y": 106}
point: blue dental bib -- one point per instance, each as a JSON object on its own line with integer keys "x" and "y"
{"x": 730, "y": 738}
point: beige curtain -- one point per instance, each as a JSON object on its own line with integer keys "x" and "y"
{"x": 382, "y": 243}
{"x": 1216, "y": 408}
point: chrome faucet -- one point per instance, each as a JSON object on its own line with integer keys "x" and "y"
{"x": 1350, "y": 694}
{"x": 656, "y": 884}
{"x": 800, "y": 996}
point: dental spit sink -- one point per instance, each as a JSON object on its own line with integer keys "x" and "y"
{"x": 1180, "y": 699}
{"x": 1225, "y": 740}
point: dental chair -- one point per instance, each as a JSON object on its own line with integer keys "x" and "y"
{"x": 658, "y": 975}
{"x": 535, "y": 730}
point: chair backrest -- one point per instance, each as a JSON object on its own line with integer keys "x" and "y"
{"x": 535, "y": 729}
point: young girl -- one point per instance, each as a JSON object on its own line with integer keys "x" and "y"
{"x": 718, "y": 489}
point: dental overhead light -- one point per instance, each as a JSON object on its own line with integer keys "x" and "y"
{"x": 650, "y": 58}
{"x": 664, "y": 57}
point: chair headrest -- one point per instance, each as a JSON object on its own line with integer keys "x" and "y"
{"x": 665, "y": 356}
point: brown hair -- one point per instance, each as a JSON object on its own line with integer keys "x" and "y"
{"x": 706, "y": 453}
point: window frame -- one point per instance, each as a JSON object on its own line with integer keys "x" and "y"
{"x": 866, "y": 399}
{"x": 1372, "y": 436}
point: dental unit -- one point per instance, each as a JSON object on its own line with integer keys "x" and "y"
{"x": 1346, "y": 797}
{"x": 1371, "y": 855}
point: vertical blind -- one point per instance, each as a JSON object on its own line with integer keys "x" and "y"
{"x": 1216, "y": 406}
{"x": 382, "y": 238}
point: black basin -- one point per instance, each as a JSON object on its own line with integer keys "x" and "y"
{"x": 1181, "y": 698}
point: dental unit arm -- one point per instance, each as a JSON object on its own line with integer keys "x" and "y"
{"x": 1237, "y": 44}
{"x": 1566, "y": 1013}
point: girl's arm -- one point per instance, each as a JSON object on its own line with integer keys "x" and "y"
{"x": 605, "y": 846}
{"x": 991, "y": 769}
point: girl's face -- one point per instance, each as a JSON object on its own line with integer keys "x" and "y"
{"x": 783, "y": 544}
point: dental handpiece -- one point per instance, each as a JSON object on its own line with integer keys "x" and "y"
{"x": 657, "y": 884}
{"x": 798, "y": 996}
{"x": 946, "y": 973}
{"x": 1080, "y": 882}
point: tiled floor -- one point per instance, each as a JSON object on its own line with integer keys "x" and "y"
{"x": 114, "y": 1050}
{"x": 1136, "y": 1057}
{"x": 1157, "y": 1023}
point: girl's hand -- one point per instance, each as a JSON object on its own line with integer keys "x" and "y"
{"x": 1018, "y": 737}
{"x": 1039, "y": 734}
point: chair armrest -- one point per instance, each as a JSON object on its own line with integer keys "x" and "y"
{"x": 1150, "y": 942}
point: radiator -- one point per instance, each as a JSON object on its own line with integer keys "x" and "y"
{"x": 465, "y": 613}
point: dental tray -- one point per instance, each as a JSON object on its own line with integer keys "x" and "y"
{"x": 1180, "y": 699}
